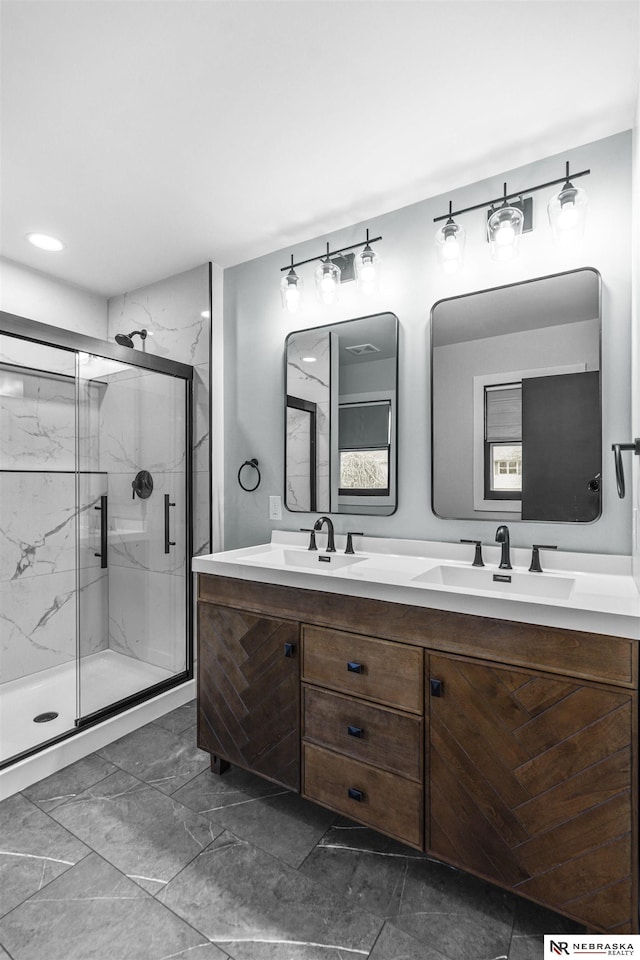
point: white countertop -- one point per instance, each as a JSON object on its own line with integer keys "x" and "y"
{"x": 580, "y": 591}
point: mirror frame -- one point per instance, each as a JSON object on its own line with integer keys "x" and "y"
{"x": 394, "y": 459}
{"x": 508, "y": 286}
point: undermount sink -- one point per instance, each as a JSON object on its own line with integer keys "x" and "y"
{"x": 309, "y": 559}
{"x": 500, "y": 581}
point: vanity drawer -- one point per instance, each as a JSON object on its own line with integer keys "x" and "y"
{"x": 390, "y": 740}
{"x": 375, "y": 797}
{"x": 390, "y": 673}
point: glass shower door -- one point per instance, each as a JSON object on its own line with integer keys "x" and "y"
{"x": 133, "y": 546}
{"x": 37, "y": 544}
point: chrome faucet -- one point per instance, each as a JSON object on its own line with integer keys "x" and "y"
{"x": 331, "y": 546}
{"x": 502, "y": 536}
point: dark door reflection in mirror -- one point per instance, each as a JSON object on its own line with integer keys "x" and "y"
{"x": 341, "y": 386}
{"x": 515, "y": 401}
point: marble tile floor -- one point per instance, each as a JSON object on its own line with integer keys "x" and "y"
{"x": 139, "y": 852}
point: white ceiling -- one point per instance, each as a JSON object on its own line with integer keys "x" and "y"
{"x": 153, "y": 136}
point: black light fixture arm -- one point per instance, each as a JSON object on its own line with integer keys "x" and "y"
{"x": 331, "y": 253}
{"x": 510, "y": 196}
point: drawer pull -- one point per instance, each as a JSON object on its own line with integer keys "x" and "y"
{"x": 356, "y": 794}
{"x": 288, "y": 649}
{"x": 354, "y": 667}
{"x": 437, "y": 687}
{"x": 355, "y": 731}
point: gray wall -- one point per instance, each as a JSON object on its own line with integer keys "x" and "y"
{"x": 255, "y": 327}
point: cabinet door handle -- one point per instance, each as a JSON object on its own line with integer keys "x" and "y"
{"x": 355, "y": 731}
{"x": 354, "y": 667}
{"x": 289, "y": 649}
{"x": 437, "y": 687}
{"x": 355, "y": 794}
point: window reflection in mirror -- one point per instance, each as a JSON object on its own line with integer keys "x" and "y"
{"x": 515, "y": 389}
{"x": 341, "y": 417}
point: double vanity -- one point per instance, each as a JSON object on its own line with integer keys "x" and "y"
{"x": 485, "y": 716}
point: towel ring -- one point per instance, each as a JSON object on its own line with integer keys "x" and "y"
{"x": 249, "y": 463}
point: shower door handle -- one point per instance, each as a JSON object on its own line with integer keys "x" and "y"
{"x": 168, "y": 542}
{"x": 103, "y": 532}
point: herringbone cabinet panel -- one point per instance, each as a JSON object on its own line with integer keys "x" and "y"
{"x": 531, "y": 787}
{"x": 249, "y": 691}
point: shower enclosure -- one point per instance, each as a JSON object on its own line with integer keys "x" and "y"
{"x": 95, "y": 531}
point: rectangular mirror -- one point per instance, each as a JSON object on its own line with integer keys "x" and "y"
{"x": 515, "y": 401}
{"x": 341, "y": 385}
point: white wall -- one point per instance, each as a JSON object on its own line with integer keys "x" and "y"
{"x": 37, "y": 296}
{"x": 256, "y": 326}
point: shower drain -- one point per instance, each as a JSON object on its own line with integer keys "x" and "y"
{"x": 45, "y": 717}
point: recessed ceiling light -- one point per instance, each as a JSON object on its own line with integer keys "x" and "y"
{"x": 309, "y": 359}
{"x": 205, "y": 314}
{"x": 44, "y": 242}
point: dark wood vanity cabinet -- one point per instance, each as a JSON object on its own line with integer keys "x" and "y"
{"x": 504, "y": 748}
{"x": 249, "y": 692}
{"x": 531, "y": 786}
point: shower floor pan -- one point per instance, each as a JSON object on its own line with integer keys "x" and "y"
{"x": 106, "y": 677}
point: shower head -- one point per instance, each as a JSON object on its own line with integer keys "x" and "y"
{"x": 127, "y": 340}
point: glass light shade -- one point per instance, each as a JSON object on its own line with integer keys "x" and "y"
{"x": 449, "y": 241}
{"x": 291, "y": 291}
{"x": 504, "y": 229}
{"x": 327, "y": 281}
{"x": 567, "y": 214}
{"x": 368, "y": 271}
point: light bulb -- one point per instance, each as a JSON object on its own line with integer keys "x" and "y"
{"x": 328, "y": 281}
{"x": 567, "y": 214}
{"x": 292, "y": 297}
{"x": 291, "y": 291}
{"x": 368, "y": 270}
{"x": 568, "y": 217}
{"x": 450, "y": 249}
{"x": 449, "y": 240}
{"x": 505, "y": 235}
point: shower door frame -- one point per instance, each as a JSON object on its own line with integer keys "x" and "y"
{"x": 47, "y": 335}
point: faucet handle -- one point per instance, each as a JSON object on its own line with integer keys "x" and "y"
{"x": 477, "y": 559}
{"x": 350, "y": 534}
{"x": 312, "y": 538}
{"x": 535, "y": 555}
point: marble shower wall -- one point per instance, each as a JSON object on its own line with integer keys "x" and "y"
{"x": 176, "y": 312}
{"x": 172, "y": 311}
{"x": 38, "y": 514}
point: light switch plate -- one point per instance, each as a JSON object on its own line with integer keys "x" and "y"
{"x": 275, "y": 508}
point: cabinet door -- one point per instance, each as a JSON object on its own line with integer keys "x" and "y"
{"x": 531, "y": 787}
{"x": 249, "y": 691}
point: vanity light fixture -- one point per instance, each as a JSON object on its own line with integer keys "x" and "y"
{"x": 335, "y": 267}
{"x": 514, "y": 216}
{"x": 327, "y": 279}
{"x": 291, "y": 290}
{"x": 567, "y": 213}
{"x": 504, "y": 229}
{"x": 450, "y": 244}
{"x": 368, "y": 269}
{"x": 45, "y": 242}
